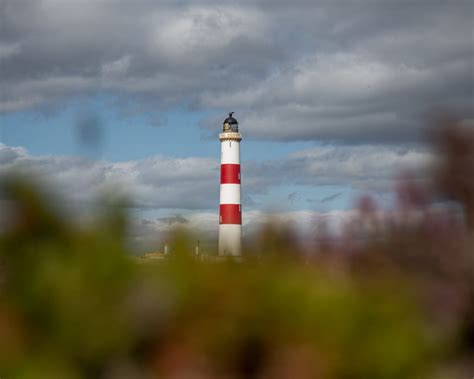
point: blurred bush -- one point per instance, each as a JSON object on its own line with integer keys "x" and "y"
{"x": 74, "y": 304}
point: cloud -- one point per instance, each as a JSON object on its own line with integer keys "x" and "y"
{"x": 161, "y": 182}
{"x": 191, "y": 185}
{"x": 352, "y": 72}
{"x": 330, "y": 198}
{"x": 174, "y": 220}
{"x": 306, "y": 224}
{"x": 8, "y": 50}
{"x": 154, "y": 183}
{"x": 163, "y": 52}
{"x": 292, "y": 197}
{"x": 9, "y": 155}
{"x": 349, "y": 97}
{"x": 366, "y": 168}
{"x": 148, "y": 234}
{"x": 116, "y": 68}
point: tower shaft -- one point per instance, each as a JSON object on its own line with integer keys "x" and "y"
{"x": 230, "y": 212}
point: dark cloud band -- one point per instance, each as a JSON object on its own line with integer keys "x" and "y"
{"x": 350, "y": 71}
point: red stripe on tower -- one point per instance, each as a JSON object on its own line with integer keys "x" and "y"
{"x": 230, "y": 174}
{"x": 230, "y": 214}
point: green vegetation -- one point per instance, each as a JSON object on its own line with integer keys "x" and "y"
{"x": 73, "y": 304}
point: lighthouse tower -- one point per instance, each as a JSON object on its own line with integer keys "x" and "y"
{"x": 230, "y": 218}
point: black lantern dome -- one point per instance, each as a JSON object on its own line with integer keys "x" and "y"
{"x": 230, "y": 124}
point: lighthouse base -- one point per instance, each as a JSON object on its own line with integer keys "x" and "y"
{"x": 230, "y": 240}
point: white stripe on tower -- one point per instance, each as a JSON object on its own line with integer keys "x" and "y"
{"x": 230, "y": 212}
{"x": 230, "y": 193}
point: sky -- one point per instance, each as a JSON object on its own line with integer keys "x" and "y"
{"x": 334, "y": 100}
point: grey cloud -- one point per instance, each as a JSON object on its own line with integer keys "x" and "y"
{"x": 292, "y": 196}
{"x": 361, "y": 167}
{"x": 7, "y": 50}
{"x": 356, "y": 71}
{"x": 326, "y": 199}
{"x": 332, "y": 197}
{"x": 166, "y": 57}
{"x": 152, "y": 234}
{"x": 351, "y": 98}
{"x": 174, "y": 220}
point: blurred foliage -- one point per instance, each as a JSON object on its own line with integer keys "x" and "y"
{"x": 75, "y": 304}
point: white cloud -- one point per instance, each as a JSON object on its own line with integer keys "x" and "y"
{"x": 156, "y": 182}
{"x": 193, "y": 183}
{"x": 9, "y": 154}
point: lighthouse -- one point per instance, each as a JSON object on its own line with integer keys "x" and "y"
{"x": 230, "y": 212}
